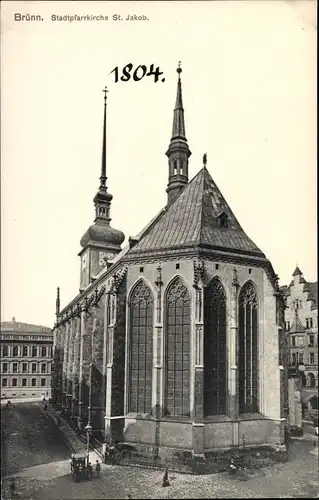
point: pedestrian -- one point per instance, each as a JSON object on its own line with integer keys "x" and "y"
{"x": 12, "y": 487}
{"x": 90, "y": 470}
{"x": 165, "y": 478}
{"x": 45, "y": 407}
{"x": 232, "y": 467}
{"x": 98, "y": 468}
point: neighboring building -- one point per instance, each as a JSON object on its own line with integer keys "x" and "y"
{"x": 301, "y": 327}
{"x": 26, "y": 359}
{"x": 173, "y": 343}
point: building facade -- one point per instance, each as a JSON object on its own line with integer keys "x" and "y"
{"x": 301, "y": 328}
{"x": 172, "y": 343}
{"x": 26, "y": 360}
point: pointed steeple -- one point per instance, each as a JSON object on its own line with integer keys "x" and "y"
{"x": 57, "y": 302}
{"x": 102, "y": 199}
{"x": 297, "y": 272}
{"x": 178, "y": 151}
{"x": 100, "y": 242}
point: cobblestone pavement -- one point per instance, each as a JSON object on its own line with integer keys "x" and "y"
{"x": 43, "y": 474}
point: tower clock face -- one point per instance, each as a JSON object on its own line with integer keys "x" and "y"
{"x": 105, "y": 257}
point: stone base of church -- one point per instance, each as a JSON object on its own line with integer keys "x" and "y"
{"x": 201, "y": 448}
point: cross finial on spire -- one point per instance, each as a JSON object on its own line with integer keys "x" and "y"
{"x": 179, "y": 69}
{"x": 205, "y": 160}
{"x": 105, "y": 92}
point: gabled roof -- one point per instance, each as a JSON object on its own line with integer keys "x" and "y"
{"x": 297, "y": 326}
{"x": 312, "y": 289}
{"x": 194, "y": 219}
{"x": 297, "y": 272}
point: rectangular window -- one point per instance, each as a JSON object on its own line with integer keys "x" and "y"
{"x": 287, "y": 326}
{"x": 34, "y": 368}
{"x": 24, "y": 367}
{"x": 4, "y": 367}
{"x": 311, "y": 358}
{"x": 300, "y": 341}
{"x": 43, "y": 382}
{"x": 307, "y": 322}
{"x": 311, "y": 340}
{"x": 4, "y": 382}
{"x": 34, "y": 382}
{"x": 34, "y": 351}
{"x": 15, "y": 367}
{"x": 310, "y": 323}
{"x": 43, "y": 368}
{"x": 24, "y": 382}
{"x": 14, "y": 382}
{"x": 25, "y": 351}
{"x": 293, "y": 341}
{"x": 300, "y": 358}
{"x": 44, "y": 351}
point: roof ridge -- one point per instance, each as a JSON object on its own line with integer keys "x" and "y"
{"x": 202, "y": 208}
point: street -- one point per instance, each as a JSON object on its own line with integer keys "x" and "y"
{"x": 36, "y": 455}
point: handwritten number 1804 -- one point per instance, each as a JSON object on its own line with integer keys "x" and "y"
{"x": 138, "y": 73}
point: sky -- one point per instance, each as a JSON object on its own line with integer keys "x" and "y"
{"x": 249, "y": 92}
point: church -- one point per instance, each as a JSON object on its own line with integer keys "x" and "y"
{"x": 173, "y": 342}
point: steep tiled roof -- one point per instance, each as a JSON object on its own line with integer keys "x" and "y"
{"x": 297, "y": 326}
{"x": 297, "y": 271}
{"x": 312, "y": 289}
{"x": 193, "y": 219}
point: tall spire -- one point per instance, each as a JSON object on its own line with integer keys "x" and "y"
{"x": 103, "y": 166}
{"x": 57, "y": 302}
{"x": 178, "y": 151}
{"x": 102, "y": 199}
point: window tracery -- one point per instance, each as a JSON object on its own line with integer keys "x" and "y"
{"x": 215, "y": 343}
{"x": 141, "y": 349}
{"x": 177, "y": 349}
{"x": 248, "y": 349}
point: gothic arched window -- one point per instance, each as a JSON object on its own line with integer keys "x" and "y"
{"x": 311, "y": 380}
{"x": 5, "y": 351}
{"x": 177, "y": 349}
{"x": 248, "y": 349}
{"x": 15, "y": 351}
{"x": 141, "y": 362}
{"x": 25, "y": 351}
{"x": 215, "y": 364}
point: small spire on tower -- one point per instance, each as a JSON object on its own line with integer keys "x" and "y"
{"x": 57, "y": 303}
{"x": 178, "y": 122}
{"x": 178, "y": 151}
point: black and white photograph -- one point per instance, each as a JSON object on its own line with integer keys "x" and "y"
{"x": 159, "y": 290}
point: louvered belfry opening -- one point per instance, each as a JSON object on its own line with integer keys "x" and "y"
{"x": 248, "y": 349}
{"x": 178, "y": 324}
{"x": 141, "y": 362}
{"x": 215, "y": 343}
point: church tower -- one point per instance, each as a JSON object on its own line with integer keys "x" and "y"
{"x": 178, "y": 151}
{"x": 100, "y": 243}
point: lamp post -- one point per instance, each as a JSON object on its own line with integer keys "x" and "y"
{"x": 88, "y": 429}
